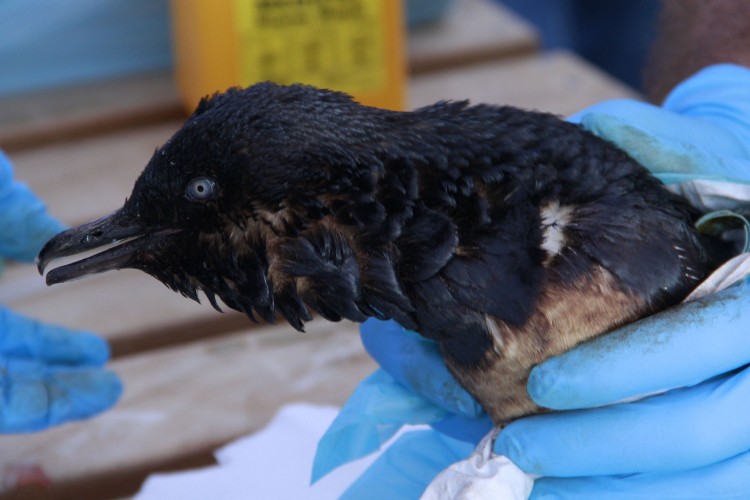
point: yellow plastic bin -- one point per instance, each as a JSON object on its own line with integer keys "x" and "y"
{"x": 356, "y": 46}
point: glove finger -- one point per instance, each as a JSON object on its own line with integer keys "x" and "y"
{"x": 665, "y": 351}
{"x": 24, "y": 337}
{"x": 33, "y": 403}
{"x": 406, "y": 468}
{"x": 654, "y": 121}
{"x": 709, "y": 110}
{"x": 677, "y": 430}
{"x": 417, "y": 363}
{"x": 664, "y": 155}
{"x": 24, "y": 223}
{"x": 727, "y": 479}
{"x": 717, "y": 94}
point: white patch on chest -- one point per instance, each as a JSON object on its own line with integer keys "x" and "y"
{"x": 554, "y": 219}
{"x": 495, "y": 333}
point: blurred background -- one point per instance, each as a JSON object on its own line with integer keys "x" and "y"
{"x": 44, "y": 43}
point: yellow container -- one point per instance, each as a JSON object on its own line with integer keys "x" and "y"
{"x": 356, "y": 46}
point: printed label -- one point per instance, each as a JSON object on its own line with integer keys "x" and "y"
{"x": 335, "y": 44}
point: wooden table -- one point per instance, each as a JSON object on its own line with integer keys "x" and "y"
{"x": 475, "y": 31}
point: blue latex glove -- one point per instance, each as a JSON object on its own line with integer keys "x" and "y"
{"x": 691, "y": 441}
{"x": 48, "y": 374}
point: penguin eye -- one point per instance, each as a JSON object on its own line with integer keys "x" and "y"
{"x": 201, "y": 189}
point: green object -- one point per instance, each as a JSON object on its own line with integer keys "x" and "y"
{"x": 721, "y": 221}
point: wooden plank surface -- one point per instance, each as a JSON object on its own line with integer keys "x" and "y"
{"x": 187, "y": 401}
{"x": 133, "y": 311}
{"x": 557, "y": 82}
{"x": 67, "y": 113}
{"x": 473, "y": 31}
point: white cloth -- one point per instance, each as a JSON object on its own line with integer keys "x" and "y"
{"x": 482, "y": 475}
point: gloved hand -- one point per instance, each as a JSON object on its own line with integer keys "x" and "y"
{"x": 48, "y": 374}
{"x": 690, "y": 441}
